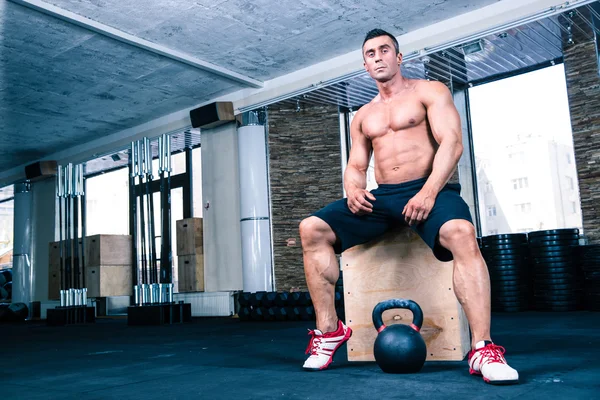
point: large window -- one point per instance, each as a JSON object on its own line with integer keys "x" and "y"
{"x": 198, "y": 206}
{"x": 523, "y": 146}
{"x": 7, "y": 207}
{"x": 176, "y": 214}
{"x": 178, "y": 166}
{"x": 107, "y": 202}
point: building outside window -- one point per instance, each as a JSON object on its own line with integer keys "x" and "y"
{"x": 7, "y": 216}
{"x": 520, "y": 183}
{"x": 523, "y": 148}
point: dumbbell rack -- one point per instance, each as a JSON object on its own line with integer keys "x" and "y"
{"x": 283, "y": 306}
{"x": 72, "y": 315}
{"x": 73, "y": 309}
{"x": 154, "y": 305}
{"x": 159, "y": 314}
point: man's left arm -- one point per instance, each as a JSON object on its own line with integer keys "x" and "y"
{"x": 447, "y": 132}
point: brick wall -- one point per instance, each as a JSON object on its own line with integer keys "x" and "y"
{"x": 306, "y": 174}
{"x": 583, "y": 86}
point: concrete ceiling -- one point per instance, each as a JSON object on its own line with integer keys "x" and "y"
{"x": 62, "y": 85}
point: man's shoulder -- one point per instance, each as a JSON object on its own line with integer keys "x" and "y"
{"x": 429, "y": 92}
{"x": 364, "y": 109}
{"x": 429, "y": 85}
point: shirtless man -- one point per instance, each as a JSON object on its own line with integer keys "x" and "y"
{"x": 413, "y": 129}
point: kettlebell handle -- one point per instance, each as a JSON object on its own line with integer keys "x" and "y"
{"x": 397, "y": 303}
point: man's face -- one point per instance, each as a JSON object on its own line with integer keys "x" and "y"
{"x": 381, "y": 61}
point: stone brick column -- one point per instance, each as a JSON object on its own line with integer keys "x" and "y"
{"x": 305, "y": 174}
{"x": 583, "y": 87}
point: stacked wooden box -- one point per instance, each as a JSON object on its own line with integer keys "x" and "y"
{"x": 108, "y": 267}
{"x": 190, "y": 255}
{"x": 54, "y": 275}
{"x": 108, "y": 270}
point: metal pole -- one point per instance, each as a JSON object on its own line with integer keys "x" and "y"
{"x": 141, "y": 170}
{"x": 133, "y": 218}
{"x": 167, "y": 212}
{"x": 59, "y": 195}
{"x": 150, "y": 204}
{"x": 68, "y": 266}
{"x": 188, "y": 188}
{"x": 75, "y": 198}
{"x": 83, "y": 231}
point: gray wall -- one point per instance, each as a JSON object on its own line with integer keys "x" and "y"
{"x": 583, "y": 85}
{"x": 306, "y": 174}
{"x": 221, "y": 220}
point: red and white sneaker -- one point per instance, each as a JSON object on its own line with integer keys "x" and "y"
{"x": 488, "y": 360}
{"x": 322, "y": 347}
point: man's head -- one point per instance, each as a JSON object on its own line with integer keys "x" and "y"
{"x": 381, "y": 54}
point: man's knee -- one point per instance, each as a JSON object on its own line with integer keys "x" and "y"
{"x": 457, "y": 232}
{"x": 315, "y": 231}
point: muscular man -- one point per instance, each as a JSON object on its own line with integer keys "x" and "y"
{"x": 413, "y": 130}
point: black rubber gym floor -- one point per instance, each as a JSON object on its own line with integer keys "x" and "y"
{"x": 557, "y": 355}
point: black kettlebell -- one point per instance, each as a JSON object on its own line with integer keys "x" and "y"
{"x": 399, "y": 348}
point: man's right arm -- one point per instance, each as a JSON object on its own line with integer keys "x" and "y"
{"x": 355, "y": 176}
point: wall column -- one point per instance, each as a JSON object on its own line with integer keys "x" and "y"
{"x": 583, "y": 87}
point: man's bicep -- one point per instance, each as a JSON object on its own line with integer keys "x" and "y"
{"x": 360, "y": 149}
{"x": 443, "y": 115}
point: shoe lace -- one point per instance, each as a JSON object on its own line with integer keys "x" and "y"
{"x": 492, "y": 354}
{"x": 313, "y": 344}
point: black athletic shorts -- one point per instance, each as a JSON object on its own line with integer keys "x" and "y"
{"x": 352, "y": 230}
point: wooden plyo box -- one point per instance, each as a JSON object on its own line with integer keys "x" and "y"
{"x": 190, "y": 255}
{"x": 190, "y": 273}
{"x": 108, "y": 280}
{"x": 108, "y": 250}
{"x": 54, "y": 272}
{"x": 108, "y": 270}
{"x": 189, "y": 236}
{"x": 401, "y": 265}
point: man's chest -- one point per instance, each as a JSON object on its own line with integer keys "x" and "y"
{"x": 382, "y": 119}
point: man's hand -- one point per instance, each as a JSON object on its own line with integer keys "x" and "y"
{"x": 418, "y": 208}
{"x": 357, "y": 201}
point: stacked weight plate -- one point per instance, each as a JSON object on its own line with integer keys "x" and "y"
{"x": 557, "y": 280}
{"x": 5, "y": 284}
{"x": 506, "y": 258}
{"x": 588, "y": 258}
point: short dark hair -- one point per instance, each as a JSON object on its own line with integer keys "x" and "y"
{"x": 373, "y": 33}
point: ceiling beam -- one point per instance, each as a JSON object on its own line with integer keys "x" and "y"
{"x": 484, "y": 21}
{"x": 107, "y": 144}
{"x": 124, "y": 37}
